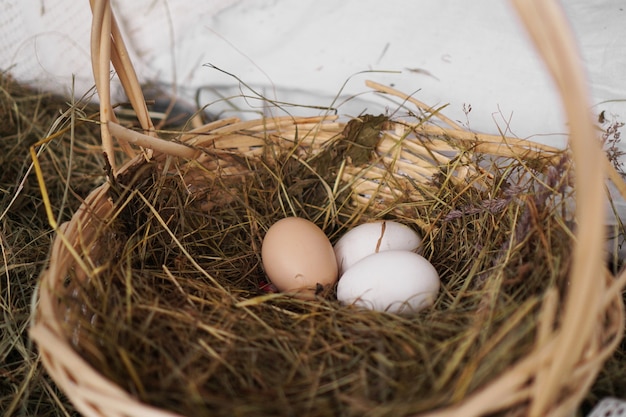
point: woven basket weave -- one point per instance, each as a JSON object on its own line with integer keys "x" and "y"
{"x": 551, "y": 380}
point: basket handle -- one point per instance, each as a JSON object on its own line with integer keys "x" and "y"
{"x": 548, "y": 28}
{"x": 107, "y": 46}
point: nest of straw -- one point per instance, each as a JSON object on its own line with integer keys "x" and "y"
{"x": 155, "y": 292}
{"x": 174, "y": 307}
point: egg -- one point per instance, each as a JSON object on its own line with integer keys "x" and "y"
{"x": 298, "y": 257}
{"x": 370, "y": 238}
{"x": 399, "y": 282}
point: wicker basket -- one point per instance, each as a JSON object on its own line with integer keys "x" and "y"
{"x": 551, "y": 380}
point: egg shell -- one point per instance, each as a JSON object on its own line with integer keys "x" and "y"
{"x": 298, "y": 257}
{"x": 393, "y": 281}
{"x": 369, "y": 238}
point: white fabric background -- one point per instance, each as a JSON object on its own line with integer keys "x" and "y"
{"x": 472, "y": 53}
{"x": 476, "y": 52}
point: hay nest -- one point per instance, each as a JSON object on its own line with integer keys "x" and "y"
{"x": 170, "y": 301}
{"x": 172, "y": 306}
{"x": 155, "y": 301}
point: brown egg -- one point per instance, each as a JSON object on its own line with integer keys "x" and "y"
{"x": 298, "y": 257}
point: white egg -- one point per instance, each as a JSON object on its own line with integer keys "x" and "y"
{"x": 370, "y": 238}
{"x": 392, "y": 281}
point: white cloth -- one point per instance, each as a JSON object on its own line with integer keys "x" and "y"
{"x": 472, "y": 53}
{"x": 609, "y": 407}
{"x": 462, "y": 53}
{"x": 466, "y": 52}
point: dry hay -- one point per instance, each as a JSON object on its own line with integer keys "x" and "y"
{"x": 72, "y": 166}
{"x": 175, "y": 339}
{"x": 174, "y": 307}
